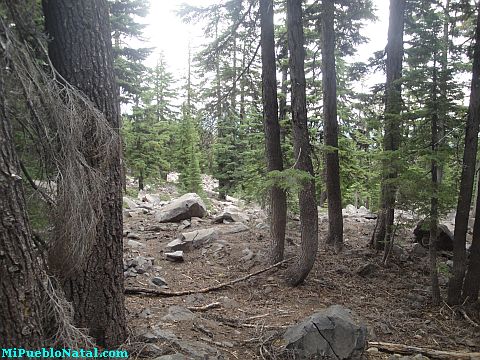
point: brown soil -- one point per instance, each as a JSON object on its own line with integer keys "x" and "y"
{"x": 393, "y": 301}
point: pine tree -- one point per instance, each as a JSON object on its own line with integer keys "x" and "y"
{"x": 278, "y": 200}
{"x": 128, "y": 60}
{"x": 392, "y": 137}
{"x": 306, "y": 197}
{"x": 82, "y": 39}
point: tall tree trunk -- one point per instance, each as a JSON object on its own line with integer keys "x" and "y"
{"x": 282, "y": 104}
{"x": 435, "y": 184}
{"x": 393, "y": 108}
{"x": 301, "y": 144}
{"x": 273, "y": 150}
{"x": 21, "y": 309}
{"x": 81, "y": 51}
{"x": 465, "y": 197}
{"x": 329, "y": 81}
{"x": 471, "y": 285}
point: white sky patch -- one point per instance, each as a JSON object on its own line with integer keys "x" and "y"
{"x": 166, "y": 32}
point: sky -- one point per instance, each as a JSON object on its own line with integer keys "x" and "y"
{"x": 166, "y": 32}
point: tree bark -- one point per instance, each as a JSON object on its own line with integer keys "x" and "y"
{"x": 435, "y": 185}
{"x": 466, "y": 182}
{"x": 471, "y": 285}
{"x": 273, "y": 150}
{"x": 393, "y": 108}
{"x": 329, "y": 81}
{"x": 301, "y": 144}
{"x": 81, "y": 51}
{"x": 20, "y": 266}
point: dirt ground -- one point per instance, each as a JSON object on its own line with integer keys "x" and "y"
{"x": 250, "y": 317}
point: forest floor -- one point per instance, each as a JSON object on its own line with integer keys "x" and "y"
{"x": 249, "y": 317}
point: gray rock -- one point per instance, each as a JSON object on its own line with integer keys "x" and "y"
{"x": 164, "y": 335}
{"x": 178, "y": 313}
{"x": 231, "y": 229}
{"x": 330, "y": 334}
{"x": 184, "y": 207}
{"x": 129, "y": 203}
{"x": 418, "y": 250}
{"x": 176, "y": 245}
{"x": 199, "y": 237}
{"x": 133, "y": 236}
{"x": 148, "y": 336}
{"x": 141, "y": 264}
{"x": 197, "y": 350}
{"x": 176, "y": 256}
{"x": 159, "y": 281}
{"x": 444, "y": 236}
{"x": 135, "y": 244}
{"x": 231, "y": 214}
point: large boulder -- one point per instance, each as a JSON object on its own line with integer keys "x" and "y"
{"x": 185, "y": 207}
{"x": 444, "y": 236}
{"x": 328, "y": 334}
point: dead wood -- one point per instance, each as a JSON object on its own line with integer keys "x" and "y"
{"x": 432, "y": 353}
{"x": 214, "y": 305}
{"x": 154, "y": 292}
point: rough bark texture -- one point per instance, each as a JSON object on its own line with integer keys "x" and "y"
{"x": 273, "y": 150}
{"x": 81, "y": 51}
{"x": 471, "y": 286}
{"x": 329, "y": 81}
{"x": 301, "y": 144}
{"x": 435, "y": 184}
{"x": 393, "y": 107}
{"x": 466, "y": 183}
{"x": 20, "y": 304}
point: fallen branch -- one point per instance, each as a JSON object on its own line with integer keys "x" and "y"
{"x": 155, "y": 292}
{"x": 214, "y": 305}
{"x": 470, "y": 321}
{"x": 435, "y": 354}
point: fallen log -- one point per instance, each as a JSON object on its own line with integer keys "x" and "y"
{"x": 431, "y": 353}
{"x": 155, "y": 292}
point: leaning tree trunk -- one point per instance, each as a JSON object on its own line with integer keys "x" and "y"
{"x": 273, "y": 150}
{"x": 81, "y": 51}
{"x": 329, "y": 81}
{"x": 472, "y": 278}
{"x": 20, "y": 266}
{"x": 393, "y": 108}
{"x": 301, "y": 143}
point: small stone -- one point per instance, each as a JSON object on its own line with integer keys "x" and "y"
{"x": 133, "y": 236}
{"x": 159, "y": 281}
{"x": 135, "y": 244}
{"x": 176, "y": 245}
{"x": 176, "y": 256}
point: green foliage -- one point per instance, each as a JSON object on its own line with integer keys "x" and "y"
{"x": 188, "y": 156}
{"x": 128, "y": 61}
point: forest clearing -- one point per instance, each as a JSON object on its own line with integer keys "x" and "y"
{"x": 240, "y": 179}
{"x": 247, "y": 320}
